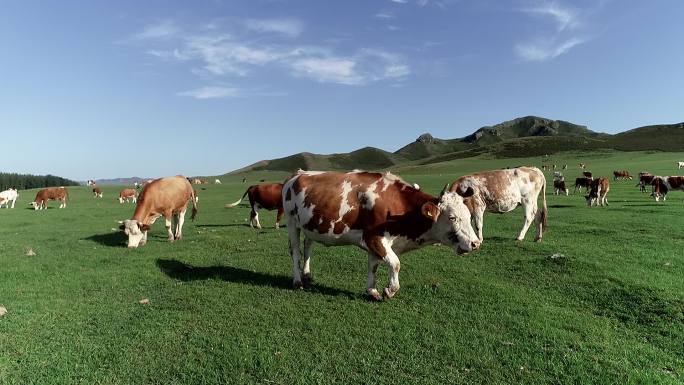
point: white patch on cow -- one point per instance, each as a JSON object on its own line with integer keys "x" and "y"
{"x": 369, "y": 196}
{"x": 344, "y": 204}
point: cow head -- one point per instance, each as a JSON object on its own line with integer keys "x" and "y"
{"x": 451, "y": 221}
{"x": 136, "y": 231}
{"x": 35, "y": 205}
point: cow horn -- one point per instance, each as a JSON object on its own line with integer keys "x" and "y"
{"x": 444, "y": 190}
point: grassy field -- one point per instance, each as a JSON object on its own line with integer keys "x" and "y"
{"x": 599, "y": 301}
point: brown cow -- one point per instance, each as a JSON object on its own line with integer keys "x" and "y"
{"x": 126, "y": 194}
{"x": 645, "y": 178}
{"x": 559, "y": 187}
{"x": 598, "y": 192}
{"x": 51, "y": 193}
{"x": 380, "y": 213}
{"x": 266, "y": 196}
{"x": 662, "y": 185}
{"x": 166, "y": 197}
{"x": 621, "y": 174}
{"x": 582, "y": 182}
{"x": 501, "y": 191}
{"x": 97, "y": 192}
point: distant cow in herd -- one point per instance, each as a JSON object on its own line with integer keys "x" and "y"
{"x": 167, "y": 197}
{"x": 582, "y": 182}
{"x": 60, "y": 194}
{"x": 680, "y": 165}
{"x": 597, "y": 193}
{"x": 559, "y": 186}
{"x": 621, "y": 174}
{"x": 645, "y": 178}
{"x": 97, "y": 192}
{"x": 127, "y": 194}
{"x": 266, "y": 196}
{"x": 378, "y": 212}
{"x": 7, "y": 196}
{"x": 501, "y": 191}
{"x": 588, "y": 174}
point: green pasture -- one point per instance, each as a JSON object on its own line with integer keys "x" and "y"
{"x": 599, "y": 301}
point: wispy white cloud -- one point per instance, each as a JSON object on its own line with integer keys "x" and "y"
{"x": 399, "y": 1}
{"x": 384, "y": 15}
{"x": 160, "y": 30}
{"x": 564, "y": 17}
{"x": 328, "y": 70}
{"x": 211, "y": 92}
{"x": 545, "y": 50}
{"x": 287, "y": 27}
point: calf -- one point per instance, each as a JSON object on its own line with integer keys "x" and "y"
{"x": 559, "y": 187}
{"x": 598, "y": 192}
{"x": 8, "y": 195}
{"x": 582, "y": 182}
{"x": 379, "y": 213}
{"x": 501, "y": 191}
{"x": 166, "y": 197}
{"x": 266, "y": 196}
{"x": 51, "y": 193}
{"x": 621, "y": 174}
{"x": 97, "y": 192}
{"x": 126, "y": 194}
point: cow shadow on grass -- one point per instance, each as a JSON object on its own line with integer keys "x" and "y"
{"x": 560, "y": 206}
{"x": 184, "y": 272}
{"x": 113, "y": 239}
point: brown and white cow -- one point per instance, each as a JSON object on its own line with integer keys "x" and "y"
{"x": 645, "y": 178}
{"x": 588, "y": 174}
{"x": 60, "y": 194}
{"x": 166, "y": 197}
{"x": 97, "y": 192}
{"x": 262, "y": 196}
{"x": 621, "y": 174}
{"x": 582, "y": 182}
{"x": 598, "y": 192}
{"x": 582, "y": 166}
{"x": 662, "y": 185}
{"x": 377, "y": 212}
{"x": 559, "y": 187}
{"x": 126, "y": 194}
{"x": 501, "y": 191}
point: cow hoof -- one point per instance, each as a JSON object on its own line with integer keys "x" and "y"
{"x": 537, "y": 239}
{"x": 307, "y": 279}
{"x": 387, "y": 293}
{"x": 374, "y": 295}
{"x": 297, "y": 285}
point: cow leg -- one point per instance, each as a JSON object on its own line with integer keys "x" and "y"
{"x": 179, "y": 226}
{"x": 143, "y": 241}
{"x": 13, "y": 201}
{"x": 293, "y": 234}
{"x": 254, "y": 217}
{"x": 373, "y": 262}
{"x": 279, "y": 216}
{"x": 306, "y": 277}
{"x": 478, "y": 219}
{"x": 168, "y": 218}
{"x": 392, "y": 261}
{"x": 530, "y": 211}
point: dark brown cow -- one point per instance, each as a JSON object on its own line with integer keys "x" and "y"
{"x": 126, "y": 194}
{"x": 51, "y": 193}
{"x": 645, "y": 178}
{"x": 166, "y": 197}
{"x": 582, "y": 182}
{"x": 97, "y": 192}
{"x": 559, "y": 187}
{"x": 621, "y": 174}
{"x": 662, "y": 185}
{"x": 598, "y": 192}
{"x": 266, "y": 196}
{"x": 588, "y": 174}
{"x": 380, "y": 213}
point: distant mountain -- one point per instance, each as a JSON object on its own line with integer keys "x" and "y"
{"x": 521, "y": 137}
{"x": 121, "y": 181}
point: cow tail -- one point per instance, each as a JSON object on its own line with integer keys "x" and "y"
{"x": 194, "y": 205}
{"x": 229, "y": 205}
{"x": 543, "y": 214}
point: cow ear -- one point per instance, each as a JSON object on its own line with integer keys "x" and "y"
{"x": 465, "y": 193}
{"x": 144, "y": 227}
{"x": 430, "y": 211}
{"x": 122, "y": 227}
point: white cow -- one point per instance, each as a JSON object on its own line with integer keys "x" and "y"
{"x": 217, "y": 181}
{"x": 7, "y": 196}
{"x": 501, "y": 191}
{"x": 680, "y": 165}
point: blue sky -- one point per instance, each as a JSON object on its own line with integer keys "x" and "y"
{"x": 94, "y": 89}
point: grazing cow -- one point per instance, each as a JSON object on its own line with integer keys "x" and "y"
{"x": 645, "y": 178}
{"x": 7, "y": 196}
{"x": 598, "y": 192}
{"x": 90, "y": 182}
{"x": 662, "y": 185}
{"x": 166, "y": 197}
{"x": 582, "y": 182}
{"x": 582, "y": 166}
{"x": 126, "y": 194}
{"x": 680, "y": 165}
{"x": 565, "y": 167}
{"x": 266, "y": 196}
{"x": 554, "y": 166}
{"x": 244, "y": 180}
{"x": 378, "y": 212}
{"x": 588, "y": 174}
{"x": 51, "y": 193}
{"x": 217, "y": 181}
{"x": 501, "y": 191}
{"x": 621, "y": 174}
{"x": 559, "y": 187}
{"x": 545, "y": 167}
{"x": 557, "y": 175}
{"x": 97, "y": 192}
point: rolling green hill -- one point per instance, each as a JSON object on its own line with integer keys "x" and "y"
{"x": 521, "y": 137}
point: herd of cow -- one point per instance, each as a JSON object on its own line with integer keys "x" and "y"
{"x": 378, "y": 212}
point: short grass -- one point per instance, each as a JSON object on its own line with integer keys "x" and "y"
{"x": 598, "y": 302}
